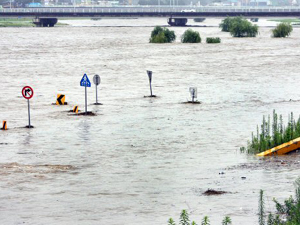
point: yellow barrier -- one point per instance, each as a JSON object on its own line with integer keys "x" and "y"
{"x": 282, "y": 149}
{"x": 75, "y": 109}
{"x": 60, "y": 99}
{"x": 4, "y": 125}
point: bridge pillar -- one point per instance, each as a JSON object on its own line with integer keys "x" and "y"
{"x": 44, "y": 22}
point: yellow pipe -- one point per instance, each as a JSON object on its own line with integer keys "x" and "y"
{"x": 283, "y": 148}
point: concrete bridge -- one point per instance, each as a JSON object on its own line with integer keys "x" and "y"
{"x": 151, "y": 11}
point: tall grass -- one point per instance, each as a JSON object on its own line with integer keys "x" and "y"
{"x": 272, "y": 134}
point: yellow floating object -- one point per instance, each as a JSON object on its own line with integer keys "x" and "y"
{"x": 282, "y": 149}
{"x": 60, "y": 99}
{"x": 4, "y": 125}
{"x": 75, "y": 109}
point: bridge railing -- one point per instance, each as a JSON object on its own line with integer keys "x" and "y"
{"x": 152, "y": 9}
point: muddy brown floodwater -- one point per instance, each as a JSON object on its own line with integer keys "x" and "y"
{"x": 141, "y": 160}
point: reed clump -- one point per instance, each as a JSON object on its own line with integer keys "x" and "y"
{"x": 272, "y": 134}
{"x": 213, "y": 40}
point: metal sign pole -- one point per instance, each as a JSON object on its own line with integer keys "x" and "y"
{"x": 150, "y": 87}
{"x": 28, "y": 112}
{"x": 85, "y": 101}
{"x": 193, "y": 95}
{"x": 96, "y": 95}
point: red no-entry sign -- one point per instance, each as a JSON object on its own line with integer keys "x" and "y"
{"x": 27, "y": 92}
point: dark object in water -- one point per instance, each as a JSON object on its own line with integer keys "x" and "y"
{"x": 214, "y": 192}
{"x": 199, "y": 20}
{"x": 89, "y": 113}
{"x": 29, "y": 126}
{"x": 96, "y": 18}
{"x": 150, "y": 96}
{"x": 177, "y": 21}
{"x": 192, "y": 102}
{"x": 65, "y": 103}
{"x": 254, "y": 19}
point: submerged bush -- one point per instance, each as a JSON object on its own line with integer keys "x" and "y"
{"x": 282, "y": 30}
{"x": 190, "y": 36}
{"x": 239, "y": 27}
{"x": 162, "y": 35}
{"x": 273, "y": 134}
{"x": 213, "y": 40}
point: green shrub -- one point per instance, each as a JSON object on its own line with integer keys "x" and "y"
{"x": 210, "y": 40}
{"x": 190, "y": 36}
{"x": 162, "y": 35}
{"x": 239, "y": 27}
{"x": 282, "y": 30}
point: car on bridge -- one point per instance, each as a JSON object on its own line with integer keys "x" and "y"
{"x": 188, "y": 10}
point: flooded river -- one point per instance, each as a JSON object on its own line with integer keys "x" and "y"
{"x": 141, "y": 160}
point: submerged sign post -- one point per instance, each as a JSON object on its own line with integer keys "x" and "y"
{"x": 96, "y": 80}
{"x": 150, "y": 80}
{"x": 85, "y": 82}
{"x": 193, "y": 92}
{"x": 27, "y": 93}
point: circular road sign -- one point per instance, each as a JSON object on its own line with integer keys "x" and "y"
{"x": 27, "y": 92}
{"x": 96, "y": 79}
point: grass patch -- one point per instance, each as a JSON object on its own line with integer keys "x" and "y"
{"x": 16, "y": 24}
{"x": 286, "y": 20}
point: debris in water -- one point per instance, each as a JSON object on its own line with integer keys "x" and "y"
{"x": 214, "y": 192}
{"x": 83, "y": 114}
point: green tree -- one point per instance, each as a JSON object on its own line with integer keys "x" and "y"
{"x": 226, "y": 23}
{"x": 243, "y": 28}
{"x": 162, "y": 35}
{"x": 239, "y": 27}
{"x": 190, "y": 36}
{"x": 282, "y": 30}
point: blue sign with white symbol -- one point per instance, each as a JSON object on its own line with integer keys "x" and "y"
{"x": 85, "y": 82}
